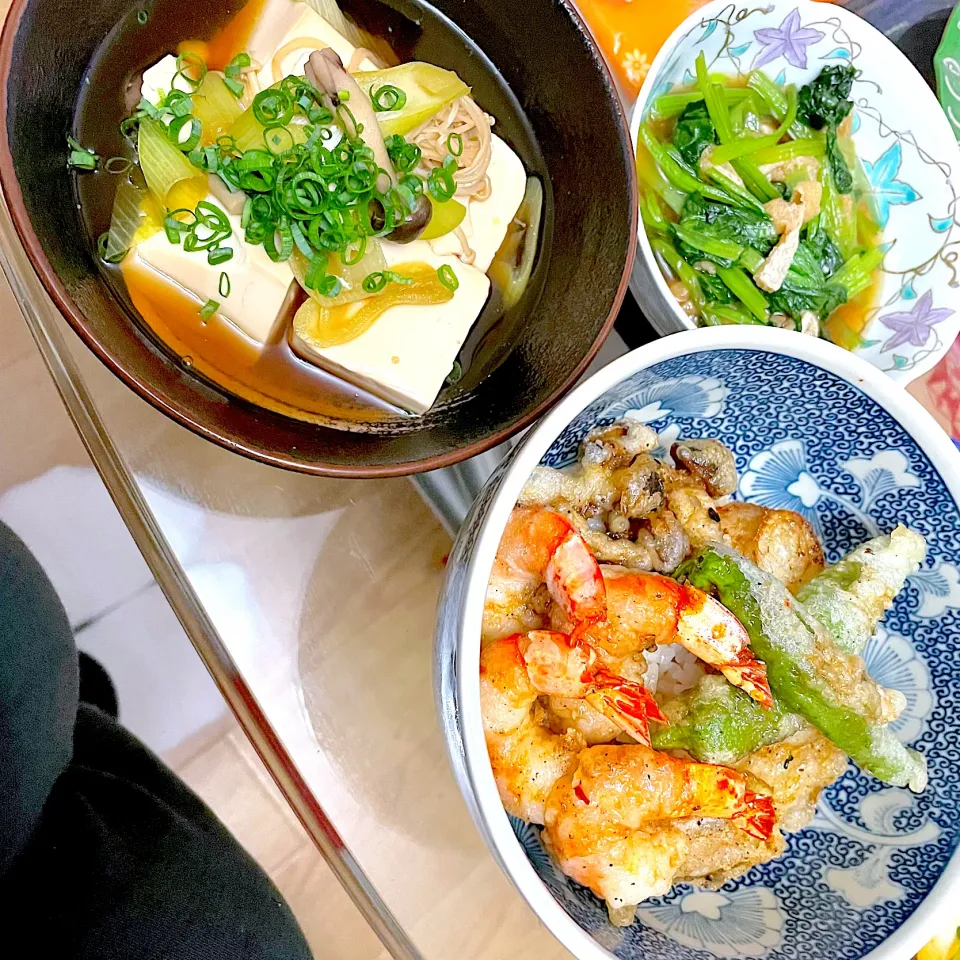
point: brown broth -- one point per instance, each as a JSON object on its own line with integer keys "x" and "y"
{"x": 273, "y": 376}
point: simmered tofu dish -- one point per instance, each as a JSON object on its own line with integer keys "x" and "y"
{"x": 296, "y": 201}
{"x": 670, "y": 677}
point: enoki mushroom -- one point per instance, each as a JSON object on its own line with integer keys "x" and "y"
{"x": 465, "y": 119}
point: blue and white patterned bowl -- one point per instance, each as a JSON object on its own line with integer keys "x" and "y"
{"x": 908, "y": 150}
{"x": 820, "y": 431}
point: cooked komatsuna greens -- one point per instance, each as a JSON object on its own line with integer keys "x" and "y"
{"x": 668, "y": 677}
{"x": 756, "y": 204}
{"x": 300, "y": 190}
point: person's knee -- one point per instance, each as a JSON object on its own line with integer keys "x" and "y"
{"x": 38, "y": 691}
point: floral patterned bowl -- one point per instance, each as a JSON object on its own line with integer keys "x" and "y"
{"x": 908, "y": 150}
{"x": 820, "y": 431}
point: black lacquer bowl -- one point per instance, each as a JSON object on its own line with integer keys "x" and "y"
{"x": 532, "y": 64}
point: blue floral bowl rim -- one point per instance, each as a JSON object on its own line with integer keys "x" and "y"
{"x": 648, "y": 88}
{"x": 458, "y": 685}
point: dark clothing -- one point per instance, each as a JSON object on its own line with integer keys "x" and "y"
{"x": 104, "y": 853}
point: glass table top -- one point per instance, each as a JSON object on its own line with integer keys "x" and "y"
{"x": 311, "y": 601}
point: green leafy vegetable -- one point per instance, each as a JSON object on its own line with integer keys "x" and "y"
{"x": 714, "y": 288}
{"x": 823, "y": 104}
{"x": 741, "y": 285}
{"x": 739, "y": 225}
{"x": 679, "y": 268}
{"x": 842, "y": 177}
{"x": 805, "y": 287}
{"x": 824, "y": 250}
{"x": 694, "y": 132}
{"x": 824, "y": 101}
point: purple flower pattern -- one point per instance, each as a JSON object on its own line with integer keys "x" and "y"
{"x": 914, "y": 326}
{"x": 790, "y": 41}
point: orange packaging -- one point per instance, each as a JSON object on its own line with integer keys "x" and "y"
{"x": 631, "y": 32}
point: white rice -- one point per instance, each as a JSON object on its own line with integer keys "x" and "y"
{"x": 671, "y": 669}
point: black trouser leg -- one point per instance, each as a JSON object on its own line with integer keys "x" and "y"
{"x": 108, "y": 855}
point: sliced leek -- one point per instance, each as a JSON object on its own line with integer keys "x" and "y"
{"x": 171, "y": 177}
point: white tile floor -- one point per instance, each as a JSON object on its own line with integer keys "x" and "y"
{"x": 119, "y": 615}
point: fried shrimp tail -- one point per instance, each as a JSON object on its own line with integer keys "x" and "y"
{"x": 539, "y": 547}
{"x": 528, "y": 758}
{"x": 759, "y": 816}
{"x": 645, "y": 608}
{"x": 630, "y": 705}
{"x": 567, "y": 667}
{"x": 616, "y": 821}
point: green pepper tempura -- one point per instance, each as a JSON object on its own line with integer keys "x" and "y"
{"x": 756, "y": 205}
{"x": 809, "y": 673}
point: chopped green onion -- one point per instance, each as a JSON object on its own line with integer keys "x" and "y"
{"x": 447, "y": 277}
{"x": 404, "y": 156}
{"x": 234, "y": 86}
{"x": 300, "y": 239}
{"x": 178, "y": 103}
{"x": 238, "y": 64}
{"x": 142, "y": 17}
{"x": 172, "y": 228}
{"x": 130, "y": 128}
{"x": 374, "y": 282}
{"x": 386, "y": 98}
{"x": 343, "y": 96}
{"x": 330, "y": 286}
{"x": 103, "y": 247}
{"x": 311, "y": 184}
{"x": 81, "y": 158}
{"x": 273, "y": 107}
{"x": 441, "y": 184}
{"x": 224, "y": 286}
{"x": 187, "y": 63}
{"x": 209, "y": 309}
{"x": 392, "y": 277}
{"x": 118, "y": 165}
{"x": 456, "y": 373}
{"x": 147, "y": 109}
{"x": 218, "y": 255}
{"x": 316, "y": 272}
{"x": 455, "y": 144}
{"x": 350, "y": 259}
{"x": 281, "y": 253}
{"x": 174, "y": 131}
